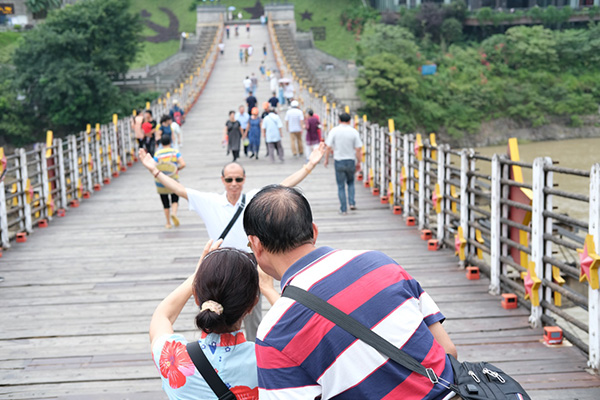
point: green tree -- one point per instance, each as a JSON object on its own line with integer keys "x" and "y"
{"x": 16, "y": 123}
{"x": 41, "y": 6}
{"x": 451, "y": 30}
{"x": 65, "y": 65}
{"x": 380, "y": 38}
{"x": 385, "y": 85}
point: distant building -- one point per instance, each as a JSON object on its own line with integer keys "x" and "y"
{"x": 394, "y": 5}
{"x": 15, "y": 12}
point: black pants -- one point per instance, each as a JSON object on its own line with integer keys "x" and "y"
{"x": 236, "y": 154}
{"x": 165, "y": 200}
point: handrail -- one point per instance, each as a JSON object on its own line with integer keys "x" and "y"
{"x": 440, "y": 190}
{"x": 48, "y": 179}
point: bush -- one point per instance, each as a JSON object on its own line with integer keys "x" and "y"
{"x": 451, "y": 30}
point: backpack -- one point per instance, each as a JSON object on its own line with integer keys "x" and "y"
{"x": 177, "y": 117}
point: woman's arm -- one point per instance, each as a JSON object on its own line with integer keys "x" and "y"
{"x": 303, "y": 172}
{"x": 169, "y": 309}
{"x": 265, "y": 282}
{"x": 180, "y": 163}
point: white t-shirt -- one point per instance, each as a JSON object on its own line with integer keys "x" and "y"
{"x": 294, "y": 118}
{"x": 288, "y": 92}
{"x": 344, "y": 140}
{"x": 247, "y": 83}
{"x": 216, "y": 212}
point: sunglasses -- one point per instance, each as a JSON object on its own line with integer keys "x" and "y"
{"x": 238, "y": 180}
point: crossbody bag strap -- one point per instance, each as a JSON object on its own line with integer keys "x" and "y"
{"x": 208, "y": 372}
{"x": 357, "y": 330}
{"x": 234, "y": 218}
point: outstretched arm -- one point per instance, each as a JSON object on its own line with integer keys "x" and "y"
{"x": 169, "y": 309}
{"x": 307, "y": 168}
{"x": 167, "y": 182}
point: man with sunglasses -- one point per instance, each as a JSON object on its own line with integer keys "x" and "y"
{"x": 217, "y": 210}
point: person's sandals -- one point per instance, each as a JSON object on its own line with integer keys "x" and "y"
{"x": 353, "y": 208}
{"x": 168, "y": 226}
{"x": 175, "y": 220}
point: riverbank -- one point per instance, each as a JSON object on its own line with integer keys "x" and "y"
{"x": 498, "y": 131}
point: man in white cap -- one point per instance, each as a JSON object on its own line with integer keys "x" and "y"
{"x": 294, "y": 120}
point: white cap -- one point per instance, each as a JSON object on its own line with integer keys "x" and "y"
{"x": 294, "y": 103}
{"x": 175, "y": 101}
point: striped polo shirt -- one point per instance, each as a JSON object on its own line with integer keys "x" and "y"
{"x": 301, "y": 355}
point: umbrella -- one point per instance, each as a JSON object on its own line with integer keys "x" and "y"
{"x": 231, "y": 8}
{"x": 244, "y": 46}
{"x": 284, "y": 80}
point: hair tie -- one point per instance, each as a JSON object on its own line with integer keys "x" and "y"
{"x": 213, "y": 306}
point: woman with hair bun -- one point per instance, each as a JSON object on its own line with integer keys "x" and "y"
{"x": 225, "y": 287}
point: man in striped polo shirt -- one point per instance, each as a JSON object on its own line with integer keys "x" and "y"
{"x": 302, "y": 355}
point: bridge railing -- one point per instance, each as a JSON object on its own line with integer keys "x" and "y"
{"x": 470, "y": 202}
{"x": 46, "y": 180}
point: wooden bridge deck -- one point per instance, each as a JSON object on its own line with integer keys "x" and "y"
{"x": 76, "y": 299}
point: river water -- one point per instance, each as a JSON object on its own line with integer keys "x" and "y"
{"x": 573, "y": 153}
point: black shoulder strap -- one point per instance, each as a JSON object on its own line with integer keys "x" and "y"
{"x": 234, "y": 218}
{"x": 208, "y": 372}
{"x": 357, "y": 330}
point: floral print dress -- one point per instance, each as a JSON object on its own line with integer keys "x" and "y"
{"x": 229, "y": 353}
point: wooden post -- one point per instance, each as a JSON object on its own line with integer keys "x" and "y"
{"x": 87, "y": 171}
{"x": 426, "y": 185}
{"x": 594, "y": 294}
{"x": 61, "y": 173}
{"x": 538, "y": 205}
{"x": 422, "y": 188}
{"x": 441, "y": 173}
{"x": 74, "y": 165}
{"x": 407, "y": 196}
{"x": 394, "y": 167}
{"x": 24, "y": 177}
{"x": 373, "y": 154}
{"x": 464, "y": 197}
{"x": 45, "y": 184}
{"x": 382, "y": 157}
{"x": 495, "y": 233}
{"x": 3, "y": 218}
{"x": 98, "y": 164}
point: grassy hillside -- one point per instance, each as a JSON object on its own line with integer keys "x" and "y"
{"x": 153, "y": 53}
{"x": 8, "y": 43}
{"x": 339, "y": 42}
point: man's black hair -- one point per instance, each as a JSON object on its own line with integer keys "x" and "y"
{"x": 165, "y": 118}
{"x": 231, "y": 112}
{"x": 165, "y": 140}
{"x": 148, "y": 111}
{"x": 345, "y": 117}
{"x": 280, "y": 217}
{"x": 310, "y": 112}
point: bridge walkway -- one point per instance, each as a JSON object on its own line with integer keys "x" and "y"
{"x": 77, "y": 297}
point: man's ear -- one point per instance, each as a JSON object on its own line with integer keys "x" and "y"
{"x": 255, "y": 245}
{"x": 315, "y": 233}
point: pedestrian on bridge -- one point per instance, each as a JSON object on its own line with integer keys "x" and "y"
{"x": 168, "y": 162}
{"x": 303, "y": 355}
{"x": 225, "y": 286}
{"x": 271, "y": 128}
{"x": 294, "y": 121}
{"x": 233, "y": 134}
{"x": 345, "y": 144}
{"x": 136, "y": 125}
{"x": 218, "y": 211}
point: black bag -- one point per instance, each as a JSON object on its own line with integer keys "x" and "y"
{"x": 472, "y": 381}
{"x": 208, "y": 372}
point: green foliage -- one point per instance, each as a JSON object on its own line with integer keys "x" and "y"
{"x": 527, "y": 74}
{"x": 385, "y": 84}
{"x": 387, "y": 39}
{"x": 451, "y": 30}
{"x": 38, "y": 6}
{"x": 65, "y": 65}
{"x": 355, "y": 18}
{"x": 16, "y": 124}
